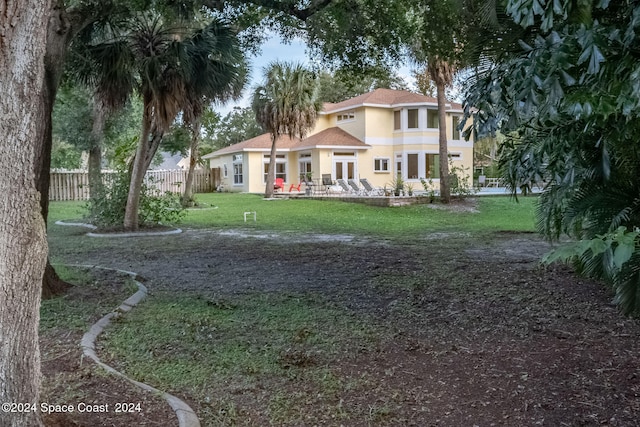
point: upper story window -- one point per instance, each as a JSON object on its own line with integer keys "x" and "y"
{"x": 432, "y": 119}
{"x": 455, "y": 132}
{"x": 346, "y": 116}
{"x": 412, "y": 118}
{"x": 397, "y": 123}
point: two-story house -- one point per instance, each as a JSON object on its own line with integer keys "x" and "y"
{"x": 375, "y": 135}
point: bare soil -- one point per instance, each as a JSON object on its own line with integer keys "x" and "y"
{"x": 480, "y": 333}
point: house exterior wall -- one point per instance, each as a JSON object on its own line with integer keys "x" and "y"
{"x": 373, "y": 125}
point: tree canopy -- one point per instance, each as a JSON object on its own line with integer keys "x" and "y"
{"x": 567, "y": 99}
{"x": 286, "y": 103}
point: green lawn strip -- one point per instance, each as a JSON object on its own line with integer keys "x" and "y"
{"x": 207, "y": 349}
{"x": 85, "y": 303}
{"x": 326, "y": 216}
{"x": 336, "y": 217}
{"x": 69, "y": 211}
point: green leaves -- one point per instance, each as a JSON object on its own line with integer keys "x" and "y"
{"x": 568, "y": 99}
{"x": 621, "y": 243}
{"x": 591, "y": 53}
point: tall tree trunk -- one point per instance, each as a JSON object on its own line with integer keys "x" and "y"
{"x": 95, "y": 152}
{"x": 271, "y": 172}
{"x": 187, "y": 198}
{"x": 23, "y": 244}
{"x": 59, "y": 36}
{"x": 138, "y": 171}
{"x": 152, "y": 148}
{"x": 445, "y": 185}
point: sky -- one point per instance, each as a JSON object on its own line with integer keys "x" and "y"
{"x": 271, "y": 50}
{"x": 275, "y": 49}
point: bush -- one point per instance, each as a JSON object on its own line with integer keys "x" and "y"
{"x": 460, "y": 182}
{"x": 108, "y": 208}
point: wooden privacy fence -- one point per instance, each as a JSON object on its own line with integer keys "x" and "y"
{"x": 74, "y": 185}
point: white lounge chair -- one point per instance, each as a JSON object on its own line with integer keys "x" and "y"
{"x": 369, "y": 189}
{"x": 355, "y": 187}
{"x": 343, "y": 185}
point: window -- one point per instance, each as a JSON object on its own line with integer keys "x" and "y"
{"x": 432, "y": 163}
{"x": 304, "y": 164}
{"x": 281, "y": 166}
{"x": 225, "y": 172}
{"x": 238, "y": 178}
{"x": 455, "y": 132}
{"x": 349, "y": 115}
{"x": 412, "y": 166}
{"x": 396, "y": 120}
{"x": 399, "y": 164}
{"x": 412, "y": 118}
{"x": 381, "y": 165}
{"x": 432, "y": 119}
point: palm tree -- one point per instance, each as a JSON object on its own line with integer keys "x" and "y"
{"x": 214, "y": 78}
{"x": 175, "y": 69}
{"x": 100, "y": 60}
{"x": 287, "y": 103}
{"x": 437, "y": 49}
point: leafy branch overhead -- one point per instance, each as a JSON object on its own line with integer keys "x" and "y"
{"x": 567, "y": 96}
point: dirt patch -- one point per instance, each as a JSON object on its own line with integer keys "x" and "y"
{"x": 471, "y": 331}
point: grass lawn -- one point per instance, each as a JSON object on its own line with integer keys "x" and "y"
{"x": 436, "y": 314}
{"x": 225, "y": 210}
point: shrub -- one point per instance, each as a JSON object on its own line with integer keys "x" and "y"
{"x": 107, "y": 209}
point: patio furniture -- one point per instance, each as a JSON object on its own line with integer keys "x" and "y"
{"x": 279, "y": 184}
{"x": 369, "y": 189}
{"x": 310, "y": 185}
{"x": 355, "y": 187}
{"x": 343, "y": 185}
{"x": 295, "y": 187}
{"x": 327, "y": 182}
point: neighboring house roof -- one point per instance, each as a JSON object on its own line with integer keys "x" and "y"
{"x": 331, "y": 137}
{"x": 169, "y": 162}
{"x": 385, "y": 98}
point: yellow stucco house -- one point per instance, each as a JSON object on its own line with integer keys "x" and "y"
{"x": 375, "y": 136}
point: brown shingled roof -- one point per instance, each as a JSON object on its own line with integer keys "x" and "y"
{"x": 261, "y": 142}
{"x": 385, "y": 97}
{"x": 382, "y": 97}
{"x": 329, "y": 137}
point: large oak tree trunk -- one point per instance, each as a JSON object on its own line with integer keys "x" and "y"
{"x": 23, "y": 245}
{"x": 58, "y": 39}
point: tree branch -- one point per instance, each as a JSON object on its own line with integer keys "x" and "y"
{"x": 278, "y": 6}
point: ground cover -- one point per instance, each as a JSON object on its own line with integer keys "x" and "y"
{"x": 67, "y": 377}
{"x": 308, "y": 322}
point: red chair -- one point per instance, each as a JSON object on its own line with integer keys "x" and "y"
{"x": 279, "y": 184}
{"x": 295, "y": 187}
